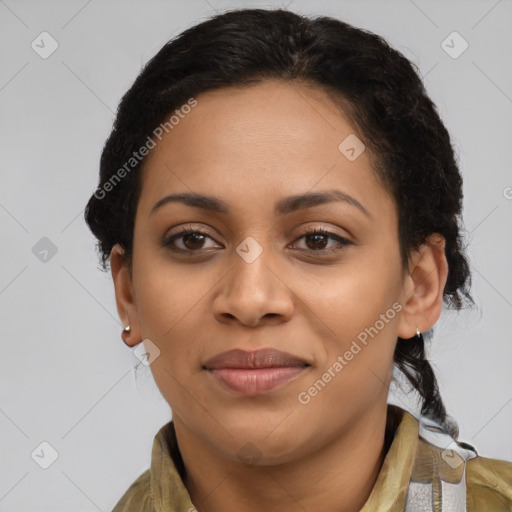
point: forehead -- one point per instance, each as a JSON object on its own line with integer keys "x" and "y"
{"x": 263, "y": 141}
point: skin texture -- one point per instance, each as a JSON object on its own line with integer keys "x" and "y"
{"x": 251, "y": 147}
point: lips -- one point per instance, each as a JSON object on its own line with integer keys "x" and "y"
{"x": 263, "y": 358}
{"x": 256, "y": 372}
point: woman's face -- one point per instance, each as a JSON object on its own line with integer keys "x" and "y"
{"x": 252, "y": 277}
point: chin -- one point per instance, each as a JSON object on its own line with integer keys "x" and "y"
{"x": 266, "y": 452}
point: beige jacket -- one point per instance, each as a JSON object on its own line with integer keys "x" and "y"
{"x": 416, "y": 476}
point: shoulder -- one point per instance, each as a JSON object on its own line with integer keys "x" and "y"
{"x": 137, "y": 496}
{"x": 489, "y": 485}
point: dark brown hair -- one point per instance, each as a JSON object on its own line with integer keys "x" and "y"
{"x": 410, "y": 146}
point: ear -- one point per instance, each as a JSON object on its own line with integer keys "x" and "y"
{"x": 126, "y": 306}
{"x": 422, "y": 298}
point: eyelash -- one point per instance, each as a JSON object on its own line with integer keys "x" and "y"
{"x": 309, "y": 231}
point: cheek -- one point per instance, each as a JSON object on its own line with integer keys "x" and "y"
{"x": 359, "y": 313}
{"x": 356, "y": 366}
{"x": 353, "y": 298}
{"x": 165, "y": 295}
{"x": 170, "y": 320}
{"x": 169, "y": 305}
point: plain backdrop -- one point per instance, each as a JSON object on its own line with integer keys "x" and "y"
{"x": 67, "y": 378}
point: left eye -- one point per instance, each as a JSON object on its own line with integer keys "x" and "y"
{"x": 319, "y": 239}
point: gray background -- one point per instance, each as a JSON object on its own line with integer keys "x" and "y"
{"x": 67, "y": 378}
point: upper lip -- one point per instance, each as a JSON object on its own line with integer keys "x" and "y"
{"x": 262, "y": 358}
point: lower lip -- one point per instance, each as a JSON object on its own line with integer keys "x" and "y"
{"x": 257, "y": 381}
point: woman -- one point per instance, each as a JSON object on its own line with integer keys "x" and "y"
{"x": 279, "y": 204}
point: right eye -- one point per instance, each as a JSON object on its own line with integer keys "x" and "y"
{"x": 192, "y": 240}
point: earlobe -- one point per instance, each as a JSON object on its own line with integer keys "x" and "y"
{"x": 125, "y": 302}
{"x": 128, "y": 338}
{"x": 424, "y": 288}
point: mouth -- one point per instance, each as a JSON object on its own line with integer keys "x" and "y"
{"x": 255, "y": 373}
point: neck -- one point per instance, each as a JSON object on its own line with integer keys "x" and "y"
{"x": 337, "y": 478}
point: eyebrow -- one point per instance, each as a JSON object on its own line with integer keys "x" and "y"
{"x": 282, "y": 207}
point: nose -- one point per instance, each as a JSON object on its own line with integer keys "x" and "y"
{"x": 254, "y": 294}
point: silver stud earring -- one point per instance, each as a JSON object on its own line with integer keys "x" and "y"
{"x": 418, "y": 333}
{"x": 127, "y": 329}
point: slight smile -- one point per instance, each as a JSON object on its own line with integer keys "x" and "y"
{"x": 255, "y": 373}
